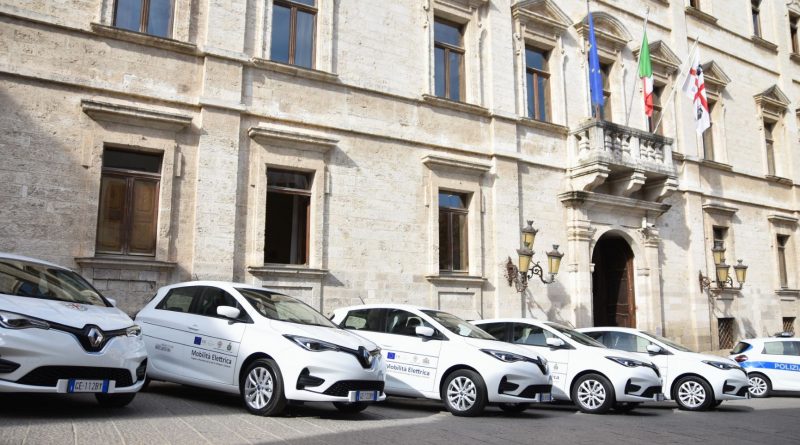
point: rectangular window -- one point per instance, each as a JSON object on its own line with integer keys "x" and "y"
{"x": 788, "y": 324}
{"x": 453, "y": 233}
{"x": 769, "y": 143}
{"x": 293, "y": 28}
{"x": 146, "y": 16}
{"x": 694, "y": 4}
{"x": 793, "y": 25}
{"x": 128, "y": 208}
{"x": 755, "y": 6}
{"x": 605, "y": 110}
{"x": 726, "y": 331}
{"x": 448, "y": 53}
{"x": 720, "y": 233}
{"x": 657, "y": 112}
{"x": 536, "y": 82}
{"x": 782, "y": 242}
{"x": 288, "y": 205}
{"x": 708, "y": 135}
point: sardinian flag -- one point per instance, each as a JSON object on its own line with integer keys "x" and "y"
{"x": 695, "y": 89}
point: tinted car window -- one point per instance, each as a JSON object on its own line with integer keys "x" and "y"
{"x": 496, "y": 330}
{"x": 774, "y": 347}
{"x": 363, "y": 319}
{"x": 402, "y": 322}
{"x": 625, "y": 341}
{"x": 179, "y": 299}
{"x": 210, "y": 299}
{"x": 526, "y": 334}
{"x": 33, "y": 280}
{"x": 283, "y": 307}
{"x": 792, "y": 348}
{"x": 740, "y": 347}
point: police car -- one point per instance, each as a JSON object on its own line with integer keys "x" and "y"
{"x": 772, "y": 364}
{"x": 435, "y": 355}
{"x": 697, "y": 382}
{"x": 584, "y": 371}
{"x": 58, "y": 334}
{"x": 268, "y": 347}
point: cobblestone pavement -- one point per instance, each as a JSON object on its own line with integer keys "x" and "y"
{"x": 176, "y": 414}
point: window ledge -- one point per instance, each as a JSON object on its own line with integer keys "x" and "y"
{"x": 144, "y": 39}
{"x": 766, "y": 44}
{"x": 698, "y": 14}
{"x": 543, "y": 125}
{"x": 119, "y": 262}
{"x": 142, "y": 117}
{"x": 779, "y": 180}
{"x": 789, "y": 294}
{"x": 716, "y": 165}
{"x": 445, "y": 279}
{"x": 297, "y": 71}
{"x": 301, "y": 141}
{"x": 291, "y": 271}
{"x": 795, "y": 57}
{"x": 454, "y": 105}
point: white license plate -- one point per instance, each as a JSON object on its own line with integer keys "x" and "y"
{"x": 76, "y": 385}
{"x": 659, "y": 397}
{"x": 366, "y": 396}
{"x": 545, "y": 397}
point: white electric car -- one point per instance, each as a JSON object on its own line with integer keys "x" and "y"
{"x": 435, "y": 355}
{"x": 268, "y": 347}
{"x": 697, "y": 382}
{"x": 772, "y": 364}
{"x": 60, "y": 335}
{"x": 584, "y": 371}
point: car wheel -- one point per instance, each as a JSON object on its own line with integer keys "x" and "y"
{"x": 261, "y": 388}
{"x": 464, "y": 393}
{"x": 693, "y": 394}
{"x": 626, "y": 407}
{"x": 114, "y": 400}
{"x": 514, "y": 408}
{"x": 760, "y": 386}
{"x": 351, "y": 408}
{"x": 593, "y": 394}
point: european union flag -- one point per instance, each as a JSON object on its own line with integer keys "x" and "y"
{"x": 595, "y": 75}
{"x": 198, "y": 340}
{"x": 390, "y": 355}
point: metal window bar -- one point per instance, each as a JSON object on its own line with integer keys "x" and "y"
{"x": 726, "y": 328}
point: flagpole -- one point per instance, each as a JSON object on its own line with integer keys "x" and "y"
{"x": 638, "y": 60}
{"x": 689, "y": 61}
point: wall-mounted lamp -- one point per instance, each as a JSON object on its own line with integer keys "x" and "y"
{"x": 519, "y": 276}
{"x": 722, "y": 272}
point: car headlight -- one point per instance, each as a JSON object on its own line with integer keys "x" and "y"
{"x": 10, "y": 320}
{"x": 508, "y": 357}
{"x": 134, "y": 331}
{"x": 628, "y": 362}
{"x": 721, "y": 365}
{"x": 312, "y": 344}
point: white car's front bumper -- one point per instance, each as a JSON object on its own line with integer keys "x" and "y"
{"x": 46, "y": 360}
{"x": 732, "y": 384}
{"x": 518, "y": 382}
{"x": 639, "y": 384}
{"x": 331, "y": 377}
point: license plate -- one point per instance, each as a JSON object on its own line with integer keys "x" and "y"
{"x": 659, "y": 397}
{"x": 76, "y": 385}
{"x": 364, "y": 396}
{"x": 545, "y": 397}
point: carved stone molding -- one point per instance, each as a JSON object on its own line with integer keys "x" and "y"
{"x": 137, "y": 116}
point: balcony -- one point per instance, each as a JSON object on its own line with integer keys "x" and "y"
{"x": 622, "y": 161}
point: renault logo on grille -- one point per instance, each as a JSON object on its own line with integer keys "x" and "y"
{"x": 96, "y": 337}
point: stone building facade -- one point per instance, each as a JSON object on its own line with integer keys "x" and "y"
{"x": 354, "y": 150}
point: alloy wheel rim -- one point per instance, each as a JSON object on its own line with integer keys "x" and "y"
{"x": 591, "y": 394}
{"x": 692, "y": 394}
{"x": 461, "y": 393}
{"x": 758, "y": 386}
{"x": 258, "y": 388}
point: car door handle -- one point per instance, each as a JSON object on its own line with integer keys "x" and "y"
{"x": 194, "y": 327}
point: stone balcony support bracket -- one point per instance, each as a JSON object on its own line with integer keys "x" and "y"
{"x": 626, "y": 185}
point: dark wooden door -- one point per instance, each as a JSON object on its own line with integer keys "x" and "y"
{"x": 612, "y": 284}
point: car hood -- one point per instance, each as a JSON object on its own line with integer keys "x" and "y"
{"x": 336, "y": 336}
{"x": 706, "y": 357}
{"x": 607, "y": 352}
{"x": 499, "y": 346}
{"x": 71, "y": 314}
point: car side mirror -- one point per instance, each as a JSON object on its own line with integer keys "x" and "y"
{"x": 424, "y": 331}
{"x": 555, "y": 342}
{"x": 654, "y": 349}
{"x": 228, "y": 312}
{"x": 112, "y": 301}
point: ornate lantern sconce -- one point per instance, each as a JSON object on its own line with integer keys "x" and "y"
{"x": 519, "y": 276}
{"x": 722, "y": 272}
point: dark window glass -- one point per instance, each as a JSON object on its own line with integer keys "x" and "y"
{"x": 179, "y": 299}
{"x": 720, "y": 234}
{"x": 605, "y": 110}
{"x": 793, "y": 24}
{"x": 755, "y": 7}
{"x": 128, "y": 208}
{"x": 536, "y": 78}
{"x": 402, "y": 322}
{"x": 293, "y": 26}
{"x": 288, "y": 207}
{"x": 496, "y": 330}
{"x": 530, "y": 335}
{"x": 788, "y": 324}
{"x": 625, "y": 341}
{"x": 694, "y": 4}
{"x": 364, "y": 319}
{"x": 448, "y": 60}
{"x": 32, "y": 280}
{"x": 283, "y": 307}
{"x": 657, "y": 112}
{"x": 147, "y": 16}
{"x": 775, "y": 348}
{"x": 740, "y": 347}
{"x": 708, "y": 135}
{"x": 210, "y": 299}
{"x": 453, "y": 233}
{"x": 769, "y": 142}
{"x": 782, "y": 240}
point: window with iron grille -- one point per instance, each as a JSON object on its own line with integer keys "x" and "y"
{"x": 128, "y": 207}
{"x": 788, "y": 324}
{"x": 152, "y": 17}
{"x": 726, "y": 328}
{"x": 293, "y": 26}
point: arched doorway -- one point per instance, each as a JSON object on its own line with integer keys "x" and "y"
{"x": 613, "y": 300}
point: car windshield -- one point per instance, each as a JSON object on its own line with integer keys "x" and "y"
{"x": 669, "y": 343}
{"x": 26, "y": 279}
{"x": 576, "y": 336}
{"x": 458, "y": 326}
{"x": 283, "y": 307}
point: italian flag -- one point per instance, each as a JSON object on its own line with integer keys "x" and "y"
{"x": 646, "y": 74}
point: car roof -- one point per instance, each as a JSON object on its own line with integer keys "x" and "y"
{"x": 384, "y": 306}
{"x": 13, "y": 256}
{"x": 610, "y": 328}
{"x": 512, "y": 320}
{"x": 214, "y": 283}
{"x": 763, "y": 339}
